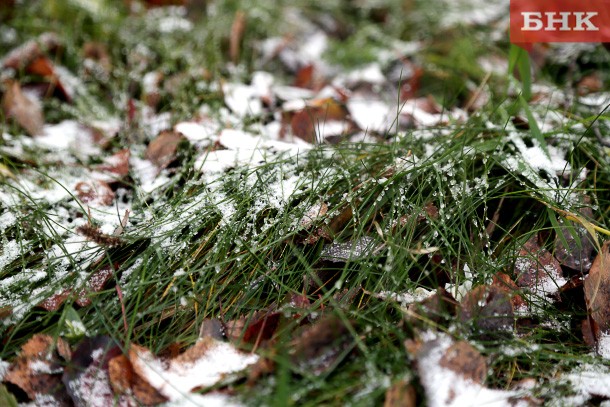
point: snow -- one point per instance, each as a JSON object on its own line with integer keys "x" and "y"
{"x": 407, "y": 297}
{"x": 444, "y": 387}
{"x": 7, "y": 220}
{"x": 68, "y": 134}
{"x": 3, "y": 369}
{"x": 588, "y": 381}
{"x": 371, "y": 115}
{"x": 195, "y": 132}
{"x": 10, "y": 253}
{"x": 176, "y": 379}
{"x": 242, "y": 99}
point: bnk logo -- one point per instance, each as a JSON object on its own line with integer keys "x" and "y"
{"x": 559, "y": 21}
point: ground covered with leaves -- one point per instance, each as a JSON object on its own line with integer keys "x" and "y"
{"x": 226, "y": 203}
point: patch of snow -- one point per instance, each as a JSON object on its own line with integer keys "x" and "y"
{"x": 603, "y": 345}
{"x": 7, "y": 220}
{"x": 371, "y": 115}
{"x": 68, "y": 135}
{"x": 406, "y": 298}
{"x": 196, "y": 132}
{"x": 176, "y": 379}
{"x": 3, "y": 369}
{"x": 587, "y": 381}
{"x": 444, "y": 387}
{"x": 243, "y": 100}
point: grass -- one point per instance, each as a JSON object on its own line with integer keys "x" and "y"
{"x": 205, "y": 247}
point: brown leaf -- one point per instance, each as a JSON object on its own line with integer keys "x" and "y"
{"x": 25, "y": 111}
{"x": 304, "y": 77}
{"x": 319, "y": 347}
{"x": 253, "y": 330}
{"x": 504, "y": 282}
{"x": 466, "y": 361}
{"x": 400, "y": 394}
{"x": 117, "y": 164}
{"x": 306, "y": 123}
{"x": 98, "y": 52}
{"x": 237, "y": 32}
{"x": 20, "y": 57}
{"x": 95, "y": 283}
{"x": 589, "y": 84}
{"x": 38, "y": 368}
{"x": 211, "y": 327}
{"x": 162, "y": 150}
{"x": 120, "y": 374}
{"x": 536, "y": 266}
{"x": 577, "y": 255}
{"x": 86, "y": 377}
{"x": 94, "y": 192}
{"x": 440, "y": 308}
{"x": 54, "y": 302}
{"x": 489, "y": 309}
{"x": 597, "y": 289}
{"x": 142, "y": 390}
{"x": 200, "y": 366}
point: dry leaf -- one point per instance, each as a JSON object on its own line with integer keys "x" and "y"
{"x": 203, "y": 365}
{"x": 20, "y": 57}
{"x": 577, "y": 255}
{"x": 162, "y": 150}
{"x": 597, "y": 289}
{"x": 25, "y": 111}
{"x": 117, "y": 164}
{"x": 490, "y": 311}
{"x": 95, "y": 283}
{"x": 54, "y": 302}
{"x": 86, "y": 377}
{"x": 466, "y": 361}
{"x": 320, "y": 346}
{"x": 536, "y": 267}
{"x": 237, "y": 32}
{"x": 400, "y": 394}
{"x": 440, "y": 308}
{"x": 38, "y": 368}
{"x": 94, "y": 192}
{"x": 451, "y": 373}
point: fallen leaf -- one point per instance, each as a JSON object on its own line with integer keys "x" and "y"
{"x": 504, "y": 282}
{"x": 38, "y": 368}
{"x": 253, "y": 330}
{"x": 202, "y": 365}
{"x": 321, "y": 346}
{"x": 86, "y": 378}
{"x": 490, "y": 311}
{"x": 19, "y": 58}
{"x": 451, "y": 373}
{"x": 466, "y": 361}
{"x": 439, "y": 308}
{"x": 400, "y": 394}
{"x": 54, "y": 301}
{"x": 589, "y": 84}
{"x": 94, "y": 192}
{"x": 237, "y": 33}
{"x": 24, "y": 110}
{"x": 537, "y": 269}
{"x": 162, "y": 150}
{"x": 577, "y": 254}
{"x": 94, "y": 284}
{"x": 124, "y": 380}
{"x": 117, "y": 164}
{"x": 597, "y": 289}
